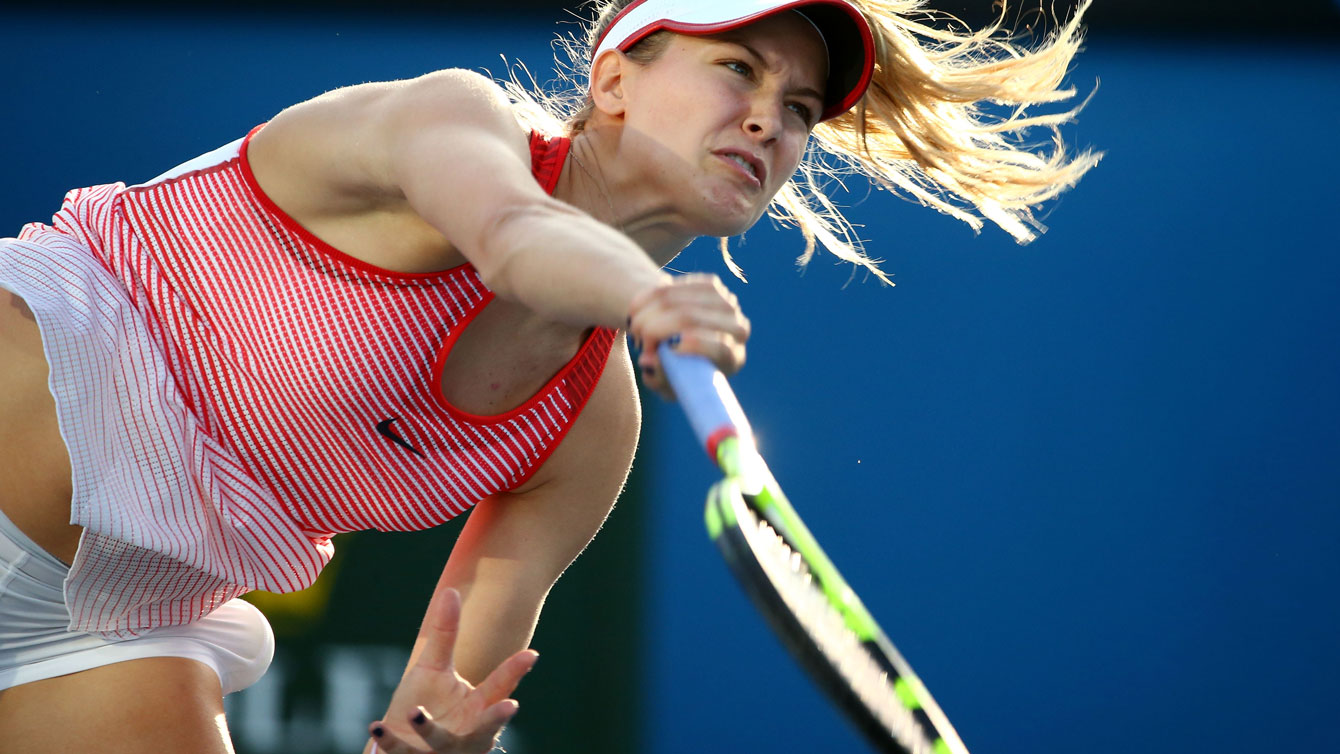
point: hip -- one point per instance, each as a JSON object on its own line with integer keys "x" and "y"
{"x": 235, "y": 640}
{"x": 35, "y": 474}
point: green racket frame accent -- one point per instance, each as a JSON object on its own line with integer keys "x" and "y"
{"x": 906, "y": 694}
{"x": 772, "y": 504}
{"x": 748, "y": 477}
{"x": 809, "y": 605}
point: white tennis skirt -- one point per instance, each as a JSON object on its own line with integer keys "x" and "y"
{"x": 35, "y": 637}
{"x": 35, "y": 642}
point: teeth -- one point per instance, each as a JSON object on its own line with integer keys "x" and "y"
{"x": 743, "y": 162}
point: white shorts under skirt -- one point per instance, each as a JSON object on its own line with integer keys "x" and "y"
{"x": 235, "y": 640}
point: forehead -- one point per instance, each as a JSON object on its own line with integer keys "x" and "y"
{"x": 782, "y": 39}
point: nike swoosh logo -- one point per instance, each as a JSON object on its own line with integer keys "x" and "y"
{"x": 384, "y": 429}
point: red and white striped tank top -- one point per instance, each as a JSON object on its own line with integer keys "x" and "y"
{"x": 270, "y": 391}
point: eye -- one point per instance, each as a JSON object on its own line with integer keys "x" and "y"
{"x": 739, "y": 67}
{"x": 804, "y": 111}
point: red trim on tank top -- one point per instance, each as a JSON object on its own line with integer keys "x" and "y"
{"x": 548, "y": 155}
{"x": 296, "y": 228}
{"x": 563, "y": 430}
{"x": 588, "y": 344}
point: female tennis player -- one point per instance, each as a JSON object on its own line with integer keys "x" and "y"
{"x": 400, "y": 301}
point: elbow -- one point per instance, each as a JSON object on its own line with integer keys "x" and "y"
{"x": 498, "y": 247}
{"x": 505, "y": 243}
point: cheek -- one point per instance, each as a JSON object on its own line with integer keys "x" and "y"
{"x": 790, "y": 159}
{"x": 672, "y": 116}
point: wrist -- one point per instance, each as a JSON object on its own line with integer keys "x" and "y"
{"x": 645, "y": 294}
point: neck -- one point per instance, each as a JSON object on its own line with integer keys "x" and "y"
{"x": 600, "y": 183}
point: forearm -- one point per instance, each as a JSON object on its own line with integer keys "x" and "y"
{"x": 493, "y": 629}
{"x": 500, "y": 606}
{"x": 567, "y": 266}
{"x": 449, "y": 144}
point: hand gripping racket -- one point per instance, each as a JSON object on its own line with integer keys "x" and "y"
{"x": 793, "y": 583}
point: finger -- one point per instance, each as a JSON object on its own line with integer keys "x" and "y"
{"x": 724, "y": 351}
{"x": 491, "y": 724}
{"x": 387, "y": 742}
{"x": 649, "y": 363}
{"x": 504, "y": 679}
{"x": 653, "y": 376}
{"x": 705, "y": 293}
{"x": 441, "y": 622}
{"x": 433, "y": 734}
{"x": 497, "y": 715}
{"x": 665, "y": 324}
{"x": 678, "y": 296}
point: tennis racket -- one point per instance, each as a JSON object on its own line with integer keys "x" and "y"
{"x": 794, "y": 585}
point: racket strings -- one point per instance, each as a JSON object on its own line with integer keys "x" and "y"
{"x": 805, "y": 597}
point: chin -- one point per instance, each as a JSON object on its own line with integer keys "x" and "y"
{"x": 722, "y": 226}
{"x": 729, "y": 218}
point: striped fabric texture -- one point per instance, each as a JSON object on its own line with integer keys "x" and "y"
{"x": 233, "y": 391}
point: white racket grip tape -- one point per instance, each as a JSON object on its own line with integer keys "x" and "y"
{"x": 706, "y": 397}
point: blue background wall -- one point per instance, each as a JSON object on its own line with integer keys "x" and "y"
{"x": 1090, "y": 486}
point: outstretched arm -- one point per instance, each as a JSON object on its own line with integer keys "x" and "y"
{"x": 510, "y": 553}
{"x": 436, "y": 171}
{"x": 528, "y": 247}
{"x": 446, "y": 150}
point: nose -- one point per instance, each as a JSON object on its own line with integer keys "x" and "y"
{"x": 764, "y": 121}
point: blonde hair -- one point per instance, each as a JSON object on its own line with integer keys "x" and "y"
{"x": 944, "y": 121}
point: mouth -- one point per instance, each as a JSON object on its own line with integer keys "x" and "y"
{"x": 745, "y": 164}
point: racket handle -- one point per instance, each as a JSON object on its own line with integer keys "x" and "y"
{"x": 706, "y": 397}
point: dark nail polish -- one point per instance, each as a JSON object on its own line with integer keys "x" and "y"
{"x": 649, "y": 371}
{"x": 673, "y": 340}
{"x": 378, "y": 732}
{"x": 419, "y": 718}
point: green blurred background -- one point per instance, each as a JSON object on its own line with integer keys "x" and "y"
{"x": 343, "y": 643}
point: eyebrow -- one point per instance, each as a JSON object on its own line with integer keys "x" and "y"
{"x": 804, "y": 90}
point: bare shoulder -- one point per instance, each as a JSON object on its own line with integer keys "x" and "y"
{"x": 344, "y": 164}
{"x": 343, "y": 142}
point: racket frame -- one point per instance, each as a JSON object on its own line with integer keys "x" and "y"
{"x": 749, "y": 492}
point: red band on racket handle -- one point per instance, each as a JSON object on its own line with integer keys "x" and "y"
{"x": 705, "y": 396}
{"x": 715, "y": 439}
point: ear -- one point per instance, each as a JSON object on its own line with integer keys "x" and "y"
{"x": 609, "y": 80}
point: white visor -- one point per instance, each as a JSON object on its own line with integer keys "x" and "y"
{"x": 851, "y": 47}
